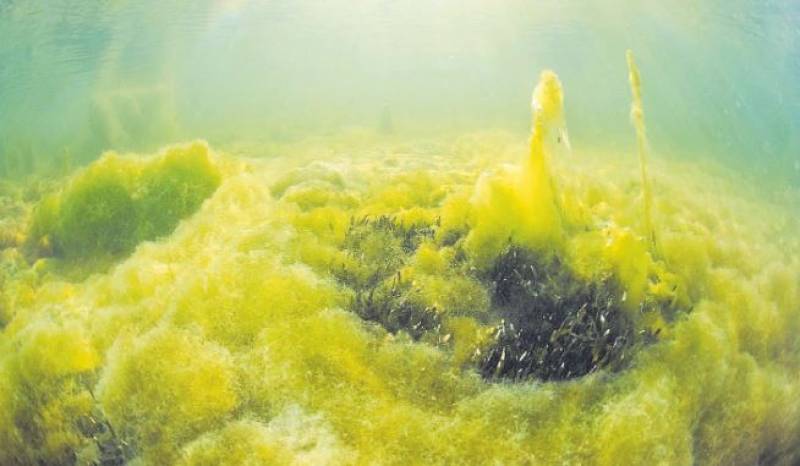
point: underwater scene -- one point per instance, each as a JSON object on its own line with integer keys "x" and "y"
{"x": 363, "y": 232}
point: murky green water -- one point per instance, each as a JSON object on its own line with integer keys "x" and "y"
{"x": 295, "y": 232}
{"x": 89, "y": 76}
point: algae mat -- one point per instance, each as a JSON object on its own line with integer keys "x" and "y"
{"x": 466, "y": 300}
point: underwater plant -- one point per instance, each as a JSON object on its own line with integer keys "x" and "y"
{"x": 392, "y": 305}
{"x": 97, "y": 215}
{"x": 489, "y": 306}
{"x": 553, "y": 325}
{"x": 506, "y": 270}
{"x": 522, "y": 203}
{"x": 379, "y": 248}
{"x": 172, "y": 187}
{"x": 115, "y": 203}
{"x": 543, "y": 217}
{"x": 637, "y": 119}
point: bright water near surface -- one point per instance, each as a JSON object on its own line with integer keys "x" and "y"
{"x": 345, "y": 232}
{"x": 721, "y": 77}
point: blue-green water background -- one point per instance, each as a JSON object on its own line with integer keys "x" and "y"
{"x": 721, "y": 78}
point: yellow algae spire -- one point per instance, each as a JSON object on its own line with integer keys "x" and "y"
{"x": 637, "y": 119}
{"x": 547, "y": 107}
{"x": 521, "y": 204}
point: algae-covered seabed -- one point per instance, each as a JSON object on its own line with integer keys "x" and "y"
{"x": 201, "y": 306}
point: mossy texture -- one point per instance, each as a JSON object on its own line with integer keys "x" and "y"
{"x": 354, "y": 311}
{"x": 117, "y": 202}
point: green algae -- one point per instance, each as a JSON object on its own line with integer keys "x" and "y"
{"x": 114, "y": 204}
{"x": 96, "y": 216}
{"x": 221, "y": 344}
{"x": 317, "y": 315}
{"x": 172, "y": 188}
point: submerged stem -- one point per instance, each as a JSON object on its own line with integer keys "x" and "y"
{"x": 637, "y": 119}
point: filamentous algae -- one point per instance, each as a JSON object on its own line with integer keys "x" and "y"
{"x": 474, "y": 303}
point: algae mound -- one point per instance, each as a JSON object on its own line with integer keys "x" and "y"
{"x": 357, "y": 312}
{"x": 116, "y": 203}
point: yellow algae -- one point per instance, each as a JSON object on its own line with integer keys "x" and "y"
{"x": 537, "y": 183}
{"x": 42, "y": 393}
{"x": 356, "y": 312}
{"x": 454, "y": 217}
{"x": 117, "y": 202}
{"x": 172, "y": 187}
{"x": 627, "y": 254}
{"x": 522, "y": 204}
{"x": 637, "y": 119}
{"x": 238, "y": 306}
{"x": 291, "y": 438}
{"x": 243, "y": 443}
{"x": 165, "y": 388}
